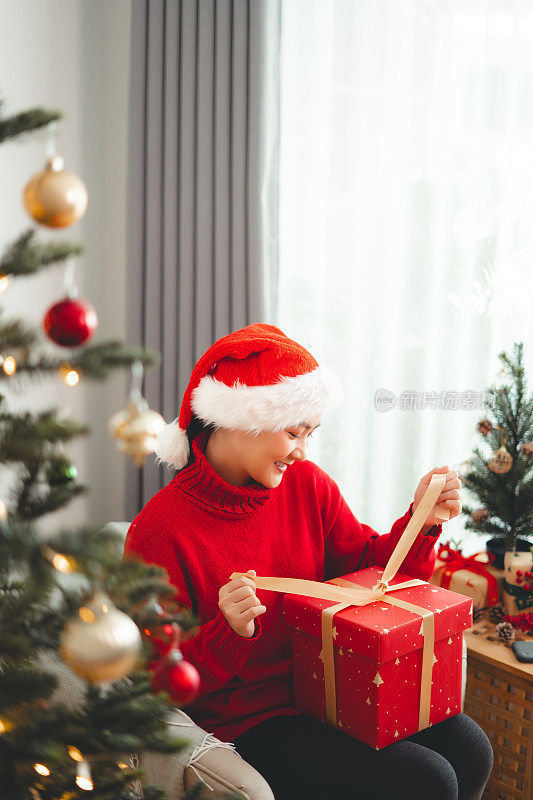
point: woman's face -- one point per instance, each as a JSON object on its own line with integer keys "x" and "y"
{"x": 240, "y": 457}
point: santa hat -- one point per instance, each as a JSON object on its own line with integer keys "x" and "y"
{"x": 255, "y": 379}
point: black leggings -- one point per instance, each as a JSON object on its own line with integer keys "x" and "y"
{"x": 304, "y": 759}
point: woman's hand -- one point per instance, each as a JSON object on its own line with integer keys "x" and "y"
{"x": 239, "y": 604}
{"x": 450, "y": 495}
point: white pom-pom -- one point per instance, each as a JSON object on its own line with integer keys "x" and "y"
{"x": 172, "y": 446}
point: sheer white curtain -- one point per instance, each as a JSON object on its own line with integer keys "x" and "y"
{"x": 406, "y": 255}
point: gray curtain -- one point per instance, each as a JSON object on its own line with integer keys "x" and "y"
{"x": 202, "y": 188}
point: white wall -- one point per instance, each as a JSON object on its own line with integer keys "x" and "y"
{"x": 72, "y": 55}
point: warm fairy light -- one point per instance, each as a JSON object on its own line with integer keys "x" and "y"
{"x": 4, "y": 283}
{"x": 74, "y": 753}
{"x": 3, "y": 510}
{"x": 58, "y": 560}
{"x": 71, "y": 378}
{"x": 84, "y": 783}
{"x": 41, "y": 769}
{"x": 83, "y": 776}
{"x": 86, "y": 614}
{"x": 69, "y": 375}
{"x": 61, "y": 563}
{"x": 122, "y": 765}
{"x": 9, "y": 366}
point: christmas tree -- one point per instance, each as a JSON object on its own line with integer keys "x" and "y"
{"x": 68, "y": 598}
{"x": 503, "y": 482}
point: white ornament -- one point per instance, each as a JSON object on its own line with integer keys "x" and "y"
{"x": 101, "y": 643}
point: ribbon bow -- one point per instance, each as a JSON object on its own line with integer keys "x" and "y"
{"x": 454, "y": 560}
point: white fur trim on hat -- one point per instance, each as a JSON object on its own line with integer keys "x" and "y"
{"x": 254, "y": 409}
{"x": 172, "y": 446}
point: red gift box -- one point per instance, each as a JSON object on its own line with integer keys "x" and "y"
{"x": 473, "y": 575}
{"x": 372, "y": 660}
{"x": 377, "y": 655}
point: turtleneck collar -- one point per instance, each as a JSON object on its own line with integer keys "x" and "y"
{"x": 205, "y": 485}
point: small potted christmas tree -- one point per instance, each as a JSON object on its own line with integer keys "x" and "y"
{"x": 503, "y": 482}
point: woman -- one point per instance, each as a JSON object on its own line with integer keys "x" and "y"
{"x": 245, "y": 500}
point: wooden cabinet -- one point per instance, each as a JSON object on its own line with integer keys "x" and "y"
{"x": 499, "y": 697}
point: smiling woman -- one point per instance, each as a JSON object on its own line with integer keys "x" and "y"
{"x": 241, "y": 457}
{"x": 246, "y": 500}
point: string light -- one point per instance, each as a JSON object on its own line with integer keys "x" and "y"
{"x": 10, "y": 365}
{"x": 4, "y": 283}
{"x": 61, "y": 563}
{"x": 58, "y": 560}
{"x": 69, "y": 375}
{"x": 83, "y": 776}
{"x": 74, "y": 753}
{"x": 3, "y": 510}
{"x": 87, "y": 615}
{"x": 122, "y": 765}
{"x": 41, "y": 769}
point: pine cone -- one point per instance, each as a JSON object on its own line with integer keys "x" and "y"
{"x": 497, "y": 613}
{"x": 484, "y": 426}
{"x": 506, "y": 632}
{"x": 477, "y": 614}
{"x": 527, "y": 449}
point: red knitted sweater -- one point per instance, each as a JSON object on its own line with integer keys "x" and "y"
{"x": 201, "y": 529}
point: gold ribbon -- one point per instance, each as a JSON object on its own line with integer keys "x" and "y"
{"x": 349, "y": 594}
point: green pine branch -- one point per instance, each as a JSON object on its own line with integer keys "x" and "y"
{"x": 15, "y": 333}
{"x": 25, "y": 257}
{"x": 94, "y": 361}
{"x": 24, "y": 122}
{"x": 26, "y": 436}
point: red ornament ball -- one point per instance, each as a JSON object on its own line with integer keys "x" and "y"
{"x": 177, "y": 677}
{"x": 70, "y": 322}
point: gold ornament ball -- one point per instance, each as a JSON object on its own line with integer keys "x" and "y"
{"x": 101, "y": 643}
{"x": 501, "y": 462}
{"x": 55, "y": 197}
{"x": 136, "y": 428}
